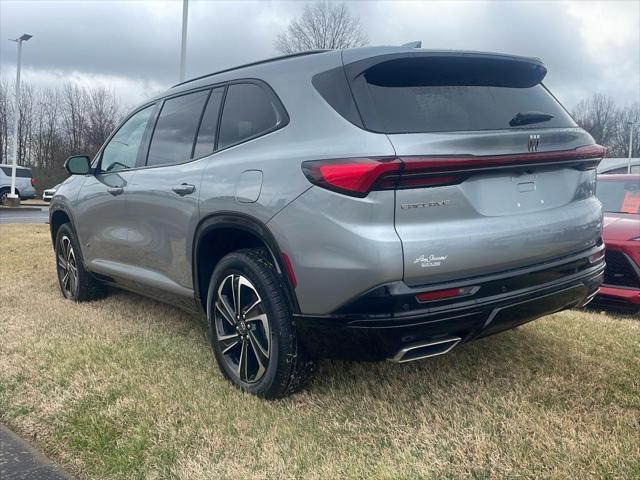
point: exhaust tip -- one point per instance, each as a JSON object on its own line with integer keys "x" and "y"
{"x": 420, "y": 350}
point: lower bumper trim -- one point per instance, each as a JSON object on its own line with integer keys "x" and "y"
{"x": 378, "y": 338}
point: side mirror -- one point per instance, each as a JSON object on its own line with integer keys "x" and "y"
{"x": 78, "y": 165}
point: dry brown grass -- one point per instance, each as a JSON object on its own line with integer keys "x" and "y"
{"x": 127, "y": 388}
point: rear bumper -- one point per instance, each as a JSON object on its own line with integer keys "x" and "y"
{"x": 381, "y": 335}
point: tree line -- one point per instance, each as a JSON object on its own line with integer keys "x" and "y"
{"x": 54, "y": 124}
{"x": 58, "y": 122}
{"x": 609, "y": 124}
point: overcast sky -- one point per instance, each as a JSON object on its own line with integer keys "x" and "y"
{"x": 133, "y": 47}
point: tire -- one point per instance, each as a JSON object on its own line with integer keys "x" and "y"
{"x": 4, "y": 193}
{"x": 258, "y": 350}
{"x": 75, "y": 282}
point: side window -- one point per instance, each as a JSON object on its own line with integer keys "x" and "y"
{"x": 176, "y": 128}
{"x": 207, "y": 133}
{"x": 122, "y": 150}
{"x": 248, "y": 111}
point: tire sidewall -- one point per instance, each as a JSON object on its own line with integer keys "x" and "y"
{"x": 238, "y": 263}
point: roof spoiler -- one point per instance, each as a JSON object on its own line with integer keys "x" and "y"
{"x": 448, "y": 68}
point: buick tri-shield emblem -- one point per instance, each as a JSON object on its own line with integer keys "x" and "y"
{"x": 534, "y": 140}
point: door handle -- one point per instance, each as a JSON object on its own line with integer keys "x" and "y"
{"x": 184, "y": 189}
{"x": 115, "y": 191}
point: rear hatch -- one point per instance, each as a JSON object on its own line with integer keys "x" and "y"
{"x": 495, "y": 174}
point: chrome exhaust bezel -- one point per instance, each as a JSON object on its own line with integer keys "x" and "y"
{"x": 399, "y": 357}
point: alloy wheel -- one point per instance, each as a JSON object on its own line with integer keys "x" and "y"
{"x": 242, "y": 328}
{"x": 67, "y": 267}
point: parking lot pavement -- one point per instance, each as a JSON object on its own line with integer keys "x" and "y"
{"x": 19, "y": 460}
{"x": 24, "y": 215}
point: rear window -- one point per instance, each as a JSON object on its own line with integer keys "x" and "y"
{"x": 20, "y": 172}
{"x": 175, "y": 132}
{"x": 619, "y": 196}
{"x": 412, "y": 95}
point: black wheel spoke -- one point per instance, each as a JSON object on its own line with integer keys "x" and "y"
{"x": 261, "y": 354}
{"x": 227, "y": 342}
{"x": 235, "y": 286}
{"x": 62, "y": 262}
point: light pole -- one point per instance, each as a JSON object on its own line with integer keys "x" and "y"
{"x": 630, "y": 146}
{"x": 183, "y": 51}
{"x": 13, "y": 198}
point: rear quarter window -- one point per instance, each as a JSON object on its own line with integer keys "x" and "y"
{"x": 249, "y": 111}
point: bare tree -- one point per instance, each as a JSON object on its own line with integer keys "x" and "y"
{"x": 628, "y": 118}
{"x": 323, "y": 25}
{"x": 103, "y": 116}
{"x": 598, "y": 116}
{"x": 54, "y": 124}
{"x": 74, "y": 116}
{"x": 609, "y": 125}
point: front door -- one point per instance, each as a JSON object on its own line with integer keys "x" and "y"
{"x": 102, "y": 222}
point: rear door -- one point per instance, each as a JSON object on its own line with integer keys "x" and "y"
{"x": 163, "y": 197}
{"x": 496, "y": 174}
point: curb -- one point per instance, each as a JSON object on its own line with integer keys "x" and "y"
{"x": 20, "y": 460}
{"x": 21, "y": 209}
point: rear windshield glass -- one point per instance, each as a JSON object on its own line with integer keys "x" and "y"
{"x": 20, "y": 172}
{"x": 619, "y": 196}
{"x": 412, "y": 95}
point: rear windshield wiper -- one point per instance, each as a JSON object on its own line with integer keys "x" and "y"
{"x": 526, "y": 118}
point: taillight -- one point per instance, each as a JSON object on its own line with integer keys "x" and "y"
{"x": 359, "y": 176}
{"x": 351, "y": 176}
{"x": 33, "y": 182}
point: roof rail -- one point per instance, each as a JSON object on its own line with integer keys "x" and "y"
{"x": 259, "y": 62}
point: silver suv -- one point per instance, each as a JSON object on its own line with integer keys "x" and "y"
{"x": 374, "y": 203}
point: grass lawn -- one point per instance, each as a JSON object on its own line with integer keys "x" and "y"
{"x": 127, "y": 388}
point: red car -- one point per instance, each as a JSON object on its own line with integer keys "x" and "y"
{"x": 620, "y": 197}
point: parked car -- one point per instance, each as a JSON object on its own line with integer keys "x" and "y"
{"x": 48, "y": 194}
{"x": 24, "y": 183}
{"x": 374, "y": 203}
{"x": 620, "y": 197}
{"x": 616, "y": 166}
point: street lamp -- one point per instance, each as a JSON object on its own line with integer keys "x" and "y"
{"x": 13, "y": 198}
{"x": 630, "y": 146}
{"x": 183, "y": 49}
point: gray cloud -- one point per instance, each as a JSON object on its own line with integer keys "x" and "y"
{"x": 133, "y": 47}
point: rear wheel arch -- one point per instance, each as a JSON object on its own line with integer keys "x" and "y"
{"x": 226, "y": 232}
